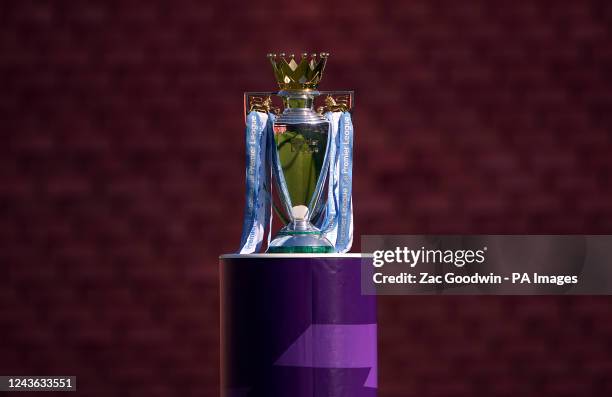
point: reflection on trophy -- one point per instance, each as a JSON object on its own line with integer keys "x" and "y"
{"x": 305, "y": 144}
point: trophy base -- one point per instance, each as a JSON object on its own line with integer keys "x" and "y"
{"x": 304, "y": 310}
{"x": 300, "y": 238}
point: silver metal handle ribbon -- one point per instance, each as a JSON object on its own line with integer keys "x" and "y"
{"x": 337, "y": 221}
{"x": 257, "y": 211}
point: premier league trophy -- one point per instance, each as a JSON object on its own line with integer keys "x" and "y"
{"x": 293, "y": 320}
{"x": 309, "y": 152}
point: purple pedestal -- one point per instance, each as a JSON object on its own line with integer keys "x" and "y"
{"x": 296, "y": 326}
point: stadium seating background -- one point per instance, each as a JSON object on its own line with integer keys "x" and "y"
{"x": 122, "y": 179}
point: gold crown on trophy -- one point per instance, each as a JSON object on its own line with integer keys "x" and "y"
{"x": 304, "y": 75}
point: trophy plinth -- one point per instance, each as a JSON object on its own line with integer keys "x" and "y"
{"x": 296, "y": 326}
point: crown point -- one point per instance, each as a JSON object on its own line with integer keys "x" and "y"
{"x": 303, "y": 74}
